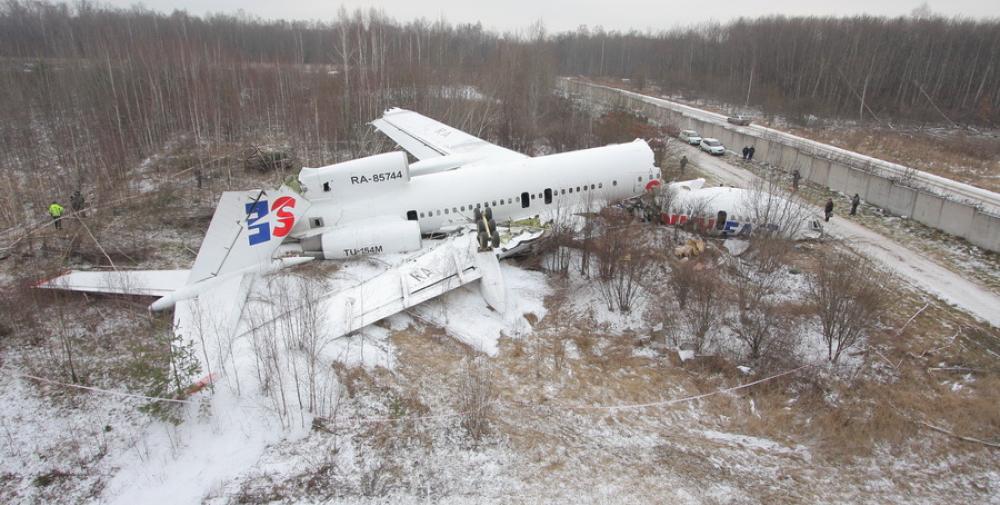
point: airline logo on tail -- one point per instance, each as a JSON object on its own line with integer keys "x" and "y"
{"x": 260, "y": 227}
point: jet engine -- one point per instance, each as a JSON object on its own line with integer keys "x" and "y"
{"x": 376, "y": 236}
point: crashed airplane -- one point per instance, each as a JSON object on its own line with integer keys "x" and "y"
{"x": 736, "y": 212}
{"x": 460, "y": 187}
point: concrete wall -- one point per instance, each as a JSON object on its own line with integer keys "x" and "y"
{"x": 846, "y": 175}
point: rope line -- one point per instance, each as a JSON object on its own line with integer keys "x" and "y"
{"x": 377, "y": 419}
{"x": 99, "y": 390}
{"x": 679, "y": 400}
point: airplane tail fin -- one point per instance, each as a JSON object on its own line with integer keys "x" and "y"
{"x": 248, "y": 226}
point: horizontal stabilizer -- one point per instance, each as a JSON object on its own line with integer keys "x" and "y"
{"x": 123, "y": 282}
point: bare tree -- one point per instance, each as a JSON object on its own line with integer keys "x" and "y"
{"x": 476, "y": 397}
{"x": 624, "y": 260}
{"x": 848, "y": 295}
{"x": 773, "y": 211}
{"x": 758, "y": 320}
{"x": 704, "y": 308}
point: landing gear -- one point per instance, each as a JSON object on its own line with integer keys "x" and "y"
{"x": 486, "y": 229}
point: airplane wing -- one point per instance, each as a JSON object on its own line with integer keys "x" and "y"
{"x": 426, "y": 138}
{"x": 348, "y": 305}
{"x": 122, "y": 282}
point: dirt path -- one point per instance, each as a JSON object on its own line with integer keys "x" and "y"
{"x": 913, "y": 267}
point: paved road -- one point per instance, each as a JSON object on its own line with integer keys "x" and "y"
{"x": 920, "y": 271}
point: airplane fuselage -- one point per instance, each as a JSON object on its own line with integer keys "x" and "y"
{"x": 513, "y": 189}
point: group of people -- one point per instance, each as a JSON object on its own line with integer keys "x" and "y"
{"x": 855, "y": 201}
{"x": 76, "y": 201}
{"x": 748, "y": 152}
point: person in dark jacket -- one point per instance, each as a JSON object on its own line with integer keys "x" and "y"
{"x": 829, "y": 208}
{"x": 746, "y": 151}
{"x": 855, "y": 201}
{"x": 77, "y": 202}
{"x": 796, "y": 176}
{"x": 684, "y": 163}
{"x": 750, "y": 153}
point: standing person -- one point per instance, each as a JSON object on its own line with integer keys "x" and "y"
{"x": 56, "y": 211}
{"x": 77, "y": 202}
{"x": 684, "y": 162}
{"x": 746, "y": 151}
{"x": 750, "y": 153}
{"x": 855, "y": 201}
{"x": 829, "y": 208}
{"x": 796, "y": 176}
{"x": 197, "y": 176}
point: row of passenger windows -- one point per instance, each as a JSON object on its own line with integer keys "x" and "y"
{"x": 511, "y": 201}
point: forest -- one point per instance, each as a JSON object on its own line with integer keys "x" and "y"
{"x": 88, "y": 91}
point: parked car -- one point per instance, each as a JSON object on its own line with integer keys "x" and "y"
{"x": 690, "y": 136}
{"x": 712, "y": 146}
{"x": 739, "y": 120}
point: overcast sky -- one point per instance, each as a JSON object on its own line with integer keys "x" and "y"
{"x": 560, "y": 15}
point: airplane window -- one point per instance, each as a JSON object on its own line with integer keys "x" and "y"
{"x": 494, "y": 203}
{"x": 455, "y": 210}
{"x": 446, "y": 211}
{"x": 600, "y": 184}
{"x": 532, "y": 196}
{"x": 439, "y": 212}
{"x": 510, "y": 200}
{"x": 640, "y": 178}
{"x": 571, "y": 191}
{"x": 477, "y": 206}
{"x": 614, "y": 183}
{"x": 578, "y": 189}
{"x": 463, "y": 208}
{"x": 326, "y": 186}
{"x": 421, "y": 214}
{"x": 563, "y": 192}
{"x": 591, "y": 186}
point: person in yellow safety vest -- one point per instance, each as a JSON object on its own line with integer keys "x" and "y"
{"x": 56, "y": 211}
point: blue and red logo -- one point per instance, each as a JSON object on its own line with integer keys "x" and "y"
{"x": 260, "y": 228}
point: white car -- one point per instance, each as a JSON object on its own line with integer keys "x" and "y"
{"x": 712, "y": 146}
{"x": 690, "y": 136}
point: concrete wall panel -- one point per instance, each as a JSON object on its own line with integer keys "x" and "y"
{"x": 857, "y": 181}
{"x": 927, "y": 209}
{"x": 818, "y": 173}
{"x": 788, "y": 157}
{"x": 761, "y": 148}
{"x": 956, "y": 218}
{"x": 837, "y": 179}
{"x": 901, "y": 200}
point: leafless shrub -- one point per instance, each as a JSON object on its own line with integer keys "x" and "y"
{"x": 476, "y": 396}
{"x": 758, "y": 321}
{"x": 775, "y": 212}
{"x": 848, "y": 294}
{"x": 703, "y": 311}
{"x": 556, "y": 247}
{"x": 624, "y": 260}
